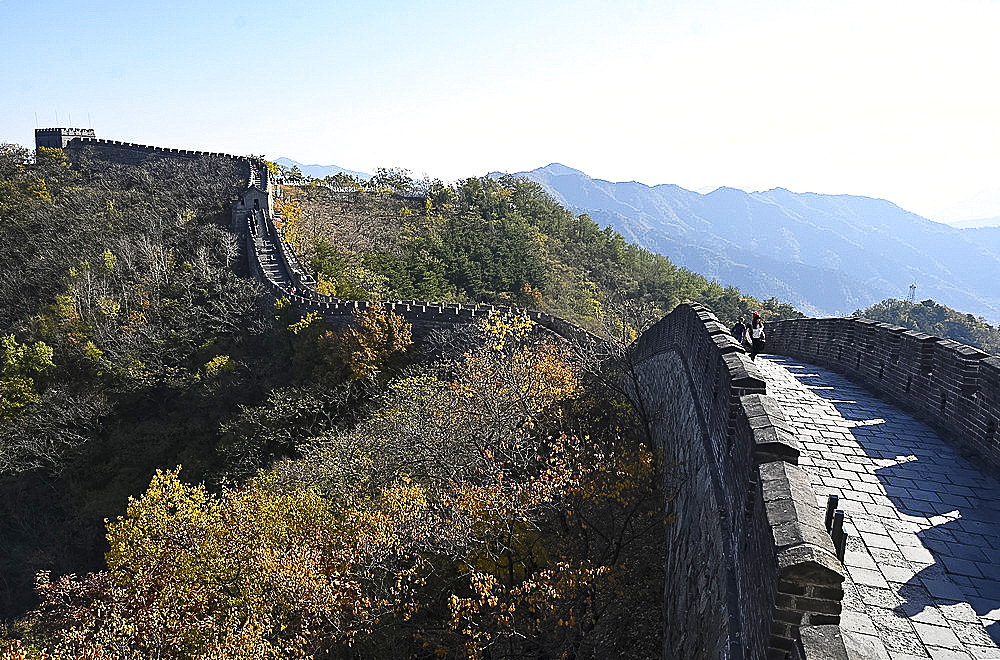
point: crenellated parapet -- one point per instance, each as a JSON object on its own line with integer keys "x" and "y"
{"x": 952, "y": 387}
{"x": 751, "y": 567}
{"x": 272, "y": 263}
{"x": 57, "y": 138}
{"x": 79, "y": 142}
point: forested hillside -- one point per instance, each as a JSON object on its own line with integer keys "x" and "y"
{"x": 189, "y": 468}
{"x": 938, "y": 320}
{"x": 128, "y": 338}
{"x": 488, "y": 239}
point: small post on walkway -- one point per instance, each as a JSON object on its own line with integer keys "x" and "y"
{"x": 831, "y": 506}
{"x": 838, "y": 535}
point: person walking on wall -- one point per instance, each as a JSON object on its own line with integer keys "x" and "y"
{"x": 757, "y": 336}
{"x": 739, "y": 330}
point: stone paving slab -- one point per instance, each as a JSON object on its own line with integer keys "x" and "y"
{"x": 923, "y": 552}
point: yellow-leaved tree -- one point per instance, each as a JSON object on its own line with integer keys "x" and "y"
{"x": 20, "y": 366}
{"x": 469, "y": 516}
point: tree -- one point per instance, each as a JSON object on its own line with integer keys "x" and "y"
{"x": 20, "y": 365}
{"x": 372, "y": 345}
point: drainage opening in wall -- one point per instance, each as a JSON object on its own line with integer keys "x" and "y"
{"x": 909, "y": 381}
{"x": 944, "y": 400}
{"x": 991, "y": 432}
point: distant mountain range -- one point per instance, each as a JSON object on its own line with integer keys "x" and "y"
{"x": 826, "y": 254}
{"x": 319, "y": 171}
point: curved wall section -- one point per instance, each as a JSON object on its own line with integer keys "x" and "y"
{"x": 953, "y": 387}
{"x": 749, "y": 563}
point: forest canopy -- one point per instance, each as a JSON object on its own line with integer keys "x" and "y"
{"x": 191, "y": 468}
{"x": 487, "y": 240}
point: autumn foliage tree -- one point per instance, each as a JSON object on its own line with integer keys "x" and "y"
{"x": 471, "y": 515}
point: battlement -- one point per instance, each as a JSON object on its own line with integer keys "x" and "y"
{"x": 109, "y": 147}
{"x": 77, "y": 140}
{"x": 744, "y": 507}
{"x": 57, "y": 138}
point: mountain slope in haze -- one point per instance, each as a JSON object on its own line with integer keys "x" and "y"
{"x": 982, "y": 210}
{"x": 826, "y": 254}
{"x": 977, "y": 223}
{"x": 320, "y": 171}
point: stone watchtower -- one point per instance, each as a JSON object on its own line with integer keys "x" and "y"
{"x": 58, "y": 138}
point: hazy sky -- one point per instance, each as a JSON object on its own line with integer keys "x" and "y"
{"x": 899, "y": 100}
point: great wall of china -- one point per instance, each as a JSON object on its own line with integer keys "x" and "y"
{"x": 752, "y": 571}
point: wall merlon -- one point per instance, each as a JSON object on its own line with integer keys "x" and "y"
{"x": 743, "y": 375}
{"x": 793, "y": 513}
{"x": 726, "y": 343}
{"x": 773, "y": 437}
{"x": 809, "y": 563}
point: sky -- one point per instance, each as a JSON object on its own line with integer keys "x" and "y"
{"x": 896, "y": 100}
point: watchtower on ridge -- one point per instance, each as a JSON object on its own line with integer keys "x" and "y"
{"x": 58, "y": 138}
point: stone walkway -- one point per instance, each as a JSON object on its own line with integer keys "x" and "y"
{"x": 923, "y": 555}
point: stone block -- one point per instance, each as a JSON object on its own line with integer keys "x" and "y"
{"x": 808, "y": 564}
{"x": 828, "y": 593}
{"x": 818, "y": 606}
{"x": 744, "y": 374}
{"x": 824, "y": 642}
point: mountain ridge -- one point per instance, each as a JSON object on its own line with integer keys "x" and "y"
{"x": 830, "y": 254}
{"x": 319, "y": 171}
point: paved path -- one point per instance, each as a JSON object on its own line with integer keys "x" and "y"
{"x": 923, "y": 556}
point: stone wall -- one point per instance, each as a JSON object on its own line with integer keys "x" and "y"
{"x": 749, "y": 562}
{"x": 56, "y": 138}
{"x": 79, "y": 142}
{"x": 952, "y": 387}
{"x": 130, "y": 153}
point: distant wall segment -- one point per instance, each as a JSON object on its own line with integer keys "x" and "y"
{"x": 58, "y": 138}
{"x": 80, "y": 139}
{"x": 750, "y": 565}
{"x": 952, "y": 387}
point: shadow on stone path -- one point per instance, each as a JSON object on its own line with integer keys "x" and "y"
{"x": 923, "y": 556}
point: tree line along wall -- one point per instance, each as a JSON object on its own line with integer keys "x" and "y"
{"x": 750, "y": 566}
{"x": 950, "y": 386}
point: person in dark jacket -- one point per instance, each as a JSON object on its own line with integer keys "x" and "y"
{"x": 739, "y": 331}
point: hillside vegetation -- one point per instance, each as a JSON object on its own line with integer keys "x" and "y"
{"x": 488, "y": 239}
{"x": 189, "y": 468}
